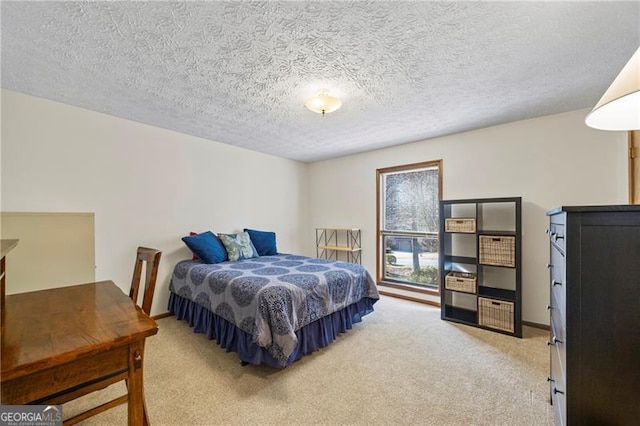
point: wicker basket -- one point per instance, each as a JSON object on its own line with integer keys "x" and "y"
{"x": 460, "y": 224}
{"x": 497, "y": 251}
{"x": 460, "y": 281}
{"x": 496, "y": 314}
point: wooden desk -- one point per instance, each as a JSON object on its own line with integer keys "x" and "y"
{"x": 54, "y": 341}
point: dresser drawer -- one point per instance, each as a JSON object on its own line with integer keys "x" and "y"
{"x": 556, "y": 234}
{"x": 557, "y": 341}
{"x": 558, "y": 219}
{"x": 557, "y": 283}
{"x": 557, "y": 388}
{"x": 556, "y": 229}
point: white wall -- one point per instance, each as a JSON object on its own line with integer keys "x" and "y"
{"x": 147, "y": 186}
{"x": 150, "y": 186}
{"x": 548, "y": 161}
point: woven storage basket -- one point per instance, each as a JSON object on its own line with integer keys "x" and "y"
{"x": 460, "y": 281}
{"x": 497, "y": 251}
{"x": 496, "y": 314}
{"x": 460, "y": 224}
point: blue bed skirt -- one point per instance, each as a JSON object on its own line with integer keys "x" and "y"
{"x": 310, "y": 338}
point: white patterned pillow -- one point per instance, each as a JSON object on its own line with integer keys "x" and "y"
{"x": 239, "y": 246}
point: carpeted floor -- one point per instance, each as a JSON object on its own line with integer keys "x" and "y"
{"x": 401, "y": 365}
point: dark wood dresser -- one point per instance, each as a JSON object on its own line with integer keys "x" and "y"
{"x": 595, "y": 314}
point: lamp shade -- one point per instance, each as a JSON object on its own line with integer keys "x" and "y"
{"x": 619, "y": 107}
{"x": 323, "y": 103}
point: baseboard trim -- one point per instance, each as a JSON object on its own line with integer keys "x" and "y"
{"x": 412, "y": 299}
{"x": 536, "y": 325}
{"x": 160, "y": 316}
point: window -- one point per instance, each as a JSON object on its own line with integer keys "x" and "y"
{"x": 408, "y": 198}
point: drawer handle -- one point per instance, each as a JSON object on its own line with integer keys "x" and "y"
{"x": 549, "y": 379}
{"x": 555, "y": 282}
{"x": 557, "y": 237}
{"x": 556, "y": 390}
{"x": 549, "y": 307}
{"x": 549, "y": 266}
{"x": 553, "y": 341}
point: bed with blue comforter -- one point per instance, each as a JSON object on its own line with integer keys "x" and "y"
{"x": 272, "y": 309}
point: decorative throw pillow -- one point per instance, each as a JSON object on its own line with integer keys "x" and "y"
{"x": 195, "y": 256}
{"x": 263, "y": 241}
{"x": 207, "y": 247}
{"x": 239, "y": 246}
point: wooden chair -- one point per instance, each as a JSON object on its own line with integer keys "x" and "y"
{"x": 150, "y": 257}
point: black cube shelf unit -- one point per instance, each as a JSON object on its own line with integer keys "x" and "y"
{"x": 481, "y": 263}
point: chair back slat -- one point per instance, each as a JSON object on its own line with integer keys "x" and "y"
{"x": 152, "y": 259}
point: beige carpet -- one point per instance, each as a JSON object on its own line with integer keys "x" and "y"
{"x": 401, "y": 365}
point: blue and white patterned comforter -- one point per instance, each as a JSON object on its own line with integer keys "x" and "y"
{"x": 271, "y": 297}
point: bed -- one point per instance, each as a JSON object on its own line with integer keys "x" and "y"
{"x": 272, "y": 309}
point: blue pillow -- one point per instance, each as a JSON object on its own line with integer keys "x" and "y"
{"x": 239, "y": 246}
{"x": 207, "y": 247}
{"x": 264, "y": 241}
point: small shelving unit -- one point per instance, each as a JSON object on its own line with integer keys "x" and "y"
{"x": 481, "y": 238}
{"x": 339, "y": 244}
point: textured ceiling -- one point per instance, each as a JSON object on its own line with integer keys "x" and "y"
{"x": 239, "y": 72}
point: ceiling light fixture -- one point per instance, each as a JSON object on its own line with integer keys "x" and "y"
{"x": 323, "y": 103}
{"x": 619, "y": 107}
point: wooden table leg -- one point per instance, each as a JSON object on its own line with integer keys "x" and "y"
{"x": 2, "y": 288}
{"x": 137, "y": 409}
